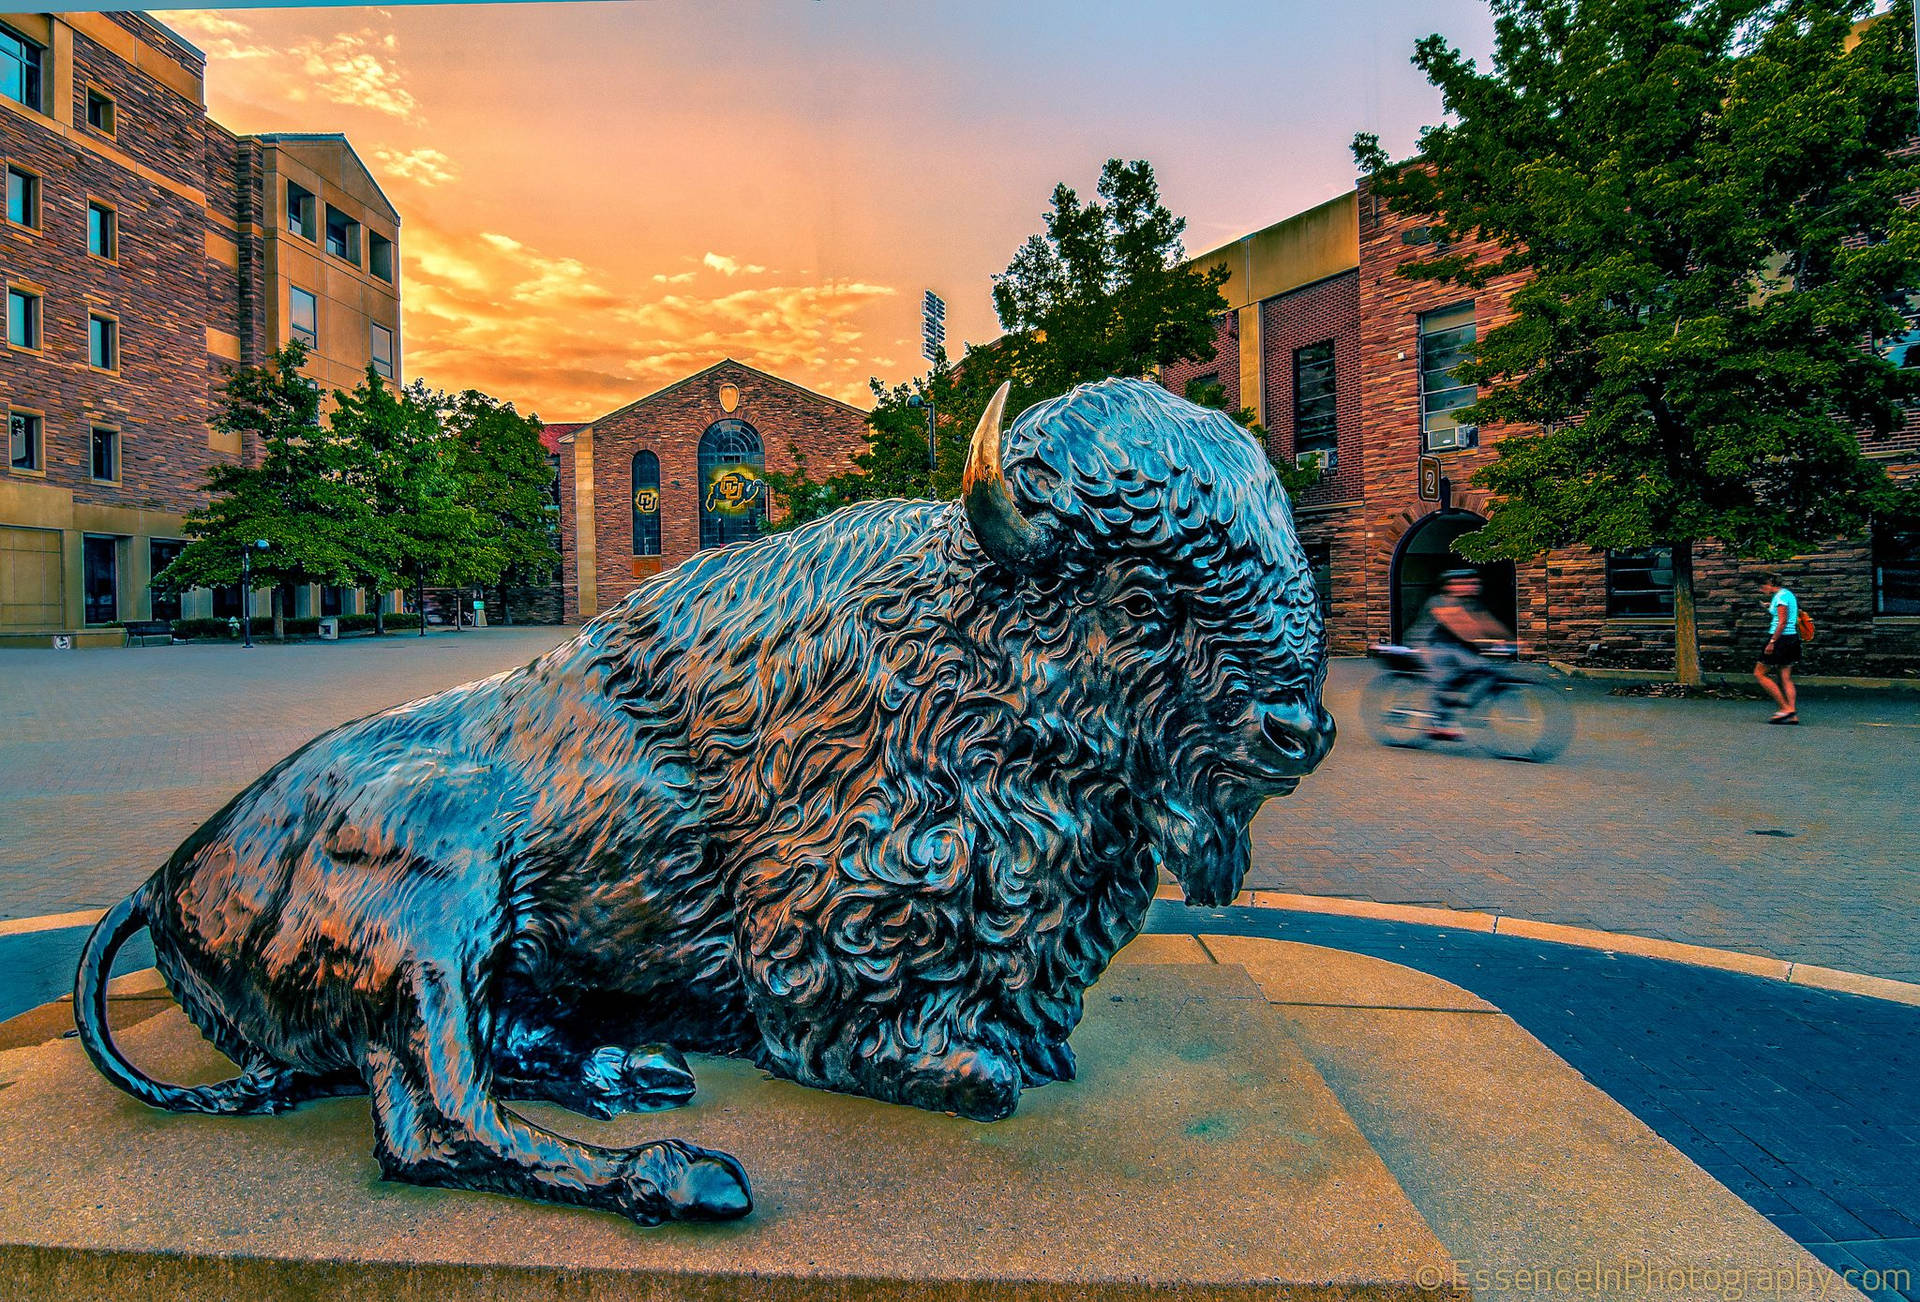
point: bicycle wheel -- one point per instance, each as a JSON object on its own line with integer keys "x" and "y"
{"x": 1525, "y": 721}
{"x": 1394, "y": 708}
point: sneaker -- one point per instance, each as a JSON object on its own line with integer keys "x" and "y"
{"x": 1444, "y": 734}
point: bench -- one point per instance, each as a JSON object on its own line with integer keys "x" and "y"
{"x": 139, "y": 631}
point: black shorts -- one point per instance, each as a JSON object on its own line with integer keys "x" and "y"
{"x": 1786, "y": 651}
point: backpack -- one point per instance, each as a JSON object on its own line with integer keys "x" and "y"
{"x": 1804, "y": 627}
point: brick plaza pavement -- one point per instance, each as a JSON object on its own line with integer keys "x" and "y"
{"x": 1661, "y": 820}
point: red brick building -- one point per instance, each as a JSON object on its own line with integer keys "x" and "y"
{"x": 145, "y": 251}
{"x": 1348, "y": 364}
{"x": 648, "y": 485}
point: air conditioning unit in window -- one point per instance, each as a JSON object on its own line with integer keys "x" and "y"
{"x": 1320, "y": 459}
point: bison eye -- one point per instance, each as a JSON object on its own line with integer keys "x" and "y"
{"x": 1138, "y": 605}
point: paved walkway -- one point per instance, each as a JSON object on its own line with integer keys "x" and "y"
{"x": 1804, "y": 1102}
{"x": 1688, "y": 820}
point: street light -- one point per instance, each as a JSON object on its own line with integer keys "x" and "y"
{"x": 246, "y": 590}
{"x": 916, "y": 402}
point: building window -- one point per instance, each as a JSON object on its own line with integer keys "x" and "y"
{"x": 300, "y": 211}
{"x": 1316, "y": 414}
{"x": 646, "y": 504}
{"x": 380, "y": 256}
{"x": 1640, "y": 583}
{"x": 23, "y": 198}
{"x": 100, "y": 571}
{"x": 100, "y": 112}
{"x": 383, "y": 350}
{"x": 161, "y": 552}
{"x": 733, "y": 496}
{"x": 343, "y": 236}
{"x": 1320, "y": 564}
{"x": 106, "y": 455}
{"x": 1896, "y": 572}
{"x": 23, "y": 318}
{"x": 24, "y": 446}
{"x": 103, "y": 343}
{"x": 1207, "y": 391}
{"x": 303, "y": 316}
{"x": 1446, "y": 340}
{"x": 20, "y": 61}
{"x": 103, "y": 231}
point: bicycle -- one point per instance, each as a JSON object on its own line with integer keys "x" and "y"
{"x": 1510, "y": 712}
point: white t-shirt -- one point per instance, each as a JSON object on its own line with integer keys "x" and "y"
{"x": 1792, "y": 627}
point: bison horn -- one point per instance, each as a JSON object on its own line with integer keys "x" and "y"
{"x": 1002, "y": 531}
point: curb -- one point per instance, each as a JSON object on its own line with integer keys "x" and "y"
{"x": 1498, "y": 924}
{"x": 1715, "y": 678}
{"x": 1724, "y": 960}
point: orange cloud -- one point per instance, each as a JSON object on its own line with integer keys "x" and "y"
{"x": 423, "y": 166}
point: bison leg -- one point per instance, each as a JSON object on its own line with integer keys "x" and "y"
{"x": 978, "y": 1084}
{"x": 605, "y": 1083}
{"x": 436, "y": 1122}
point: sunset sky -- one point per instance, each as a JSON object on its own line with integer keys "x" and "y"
{"x": 601, "y": 198}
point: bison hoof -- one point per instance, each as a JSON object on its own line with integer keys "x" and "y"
{"x": 974, "y": 1083}
{"x": 676, "y": 1181}
{"x": 636, "y": 1080}
{"x": 1044, "y": 1061}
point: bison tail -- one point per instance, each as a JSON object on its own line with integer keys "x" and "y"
{"x": 90, "y": 1003}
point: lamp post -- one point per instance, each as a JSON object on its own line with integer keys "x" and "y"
{"x": 926, "y": 401}
{"x": 246, "y": 591}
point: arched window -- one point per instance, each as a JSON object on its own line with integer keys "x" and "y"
{"x": 646, "y": 504}
{"x": 733, "y": 494}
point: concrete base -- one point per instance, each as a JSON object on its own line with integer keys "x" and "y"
{"x": 1199, "y": 1155}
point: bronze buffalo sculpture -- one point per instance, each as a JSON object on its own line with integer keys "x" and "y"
{"x": 871, "y": 802}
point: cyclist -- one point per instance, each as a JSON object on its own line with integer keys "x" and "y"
{"x": 1452, "y": 629}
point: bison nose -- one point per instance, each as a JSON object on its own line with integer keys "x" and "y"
{"x": 1300, "y": 734}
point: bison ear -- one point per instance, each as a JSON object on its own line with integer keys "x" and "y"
{"x": 1002, "y": 531}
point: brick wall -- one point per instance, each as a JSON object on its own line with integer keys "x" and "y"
{"x": 669, "y": 424}
{"x": 157, "y": 289}
{"x": 1329, "y": 310}
{"x": 1223, "y": 366}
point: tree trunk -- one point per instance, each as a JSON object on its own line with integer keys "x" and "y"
{"x": 279, "y": 612}
{"x": 1686, "y": 627}
{"x": 379, "y": 614}
{"x": 506, "y": 616}
{"x": 420, "y": 597}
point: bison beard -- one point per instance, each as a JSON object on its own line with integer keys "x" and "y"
{"x": 873, "y": 802}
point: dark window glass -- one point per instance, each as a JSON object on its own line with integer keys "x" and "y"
{"x": 1446, "y": 340}
{"x": 1316, "y": 416}
{"x": 102, "y": 231}
{"x": 733, "y": 496}
{"x": 24, "y": 439}
{"x": 343, "y": 236}
{"x": 160, "y": 554}
{"x": 303, "y": 315}
{"x": 99, "y": 112}
{"x": 23, "y": 198}
{"x": 103, "y": 342}
{"x": 106, "y": 454}
{"x": 19, "y": 69}
{"x": 646, "y": 504}
{"x": 1206, "y": 390}
{"x": 1640, "y": 582}
{"x": 331, "y": 599}
{"x": 23, "y": 319}
{"x": 1896, "y": 573}
{"x": 1320, "y": 562}
{"x": 383, "y": 351}
{"x": 300, "y": 210}
{"x": 380, "y": 256}
{"x": 226, "y": 602}
{"x": 99, "y": 567}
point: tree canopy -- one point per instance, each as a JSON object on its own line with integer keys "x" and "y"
{"x": 1711, "y": 198}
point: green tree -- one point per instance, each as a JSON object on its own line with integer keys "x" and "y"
{"x": 507, "y": 480}
{"x": 298, "y": 496}
{"x": 1104, "y": 290}
{"x": 1707, "y": 195}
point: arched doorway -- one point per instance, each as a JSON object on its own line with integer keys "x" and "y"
{"x": 733, "y": 494}
{"x": 1426, "y": 552}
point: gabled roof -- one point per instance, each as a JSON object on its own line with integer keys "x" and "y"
{"x": 333, "y": 138}
{"x": 727, "y": 361}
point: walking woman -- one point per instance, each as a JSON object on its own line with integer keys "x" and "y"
{"x": 1782, "y": 650}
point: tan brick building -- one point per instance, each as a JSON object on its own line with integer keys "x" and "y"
{"x": 145, "y": 250}
{"x": 1349, "y": 363}
{"x": 648, "y": 485}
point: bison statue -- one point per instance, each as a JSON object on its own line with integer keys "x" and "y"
{"x": 872, "y": 802}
